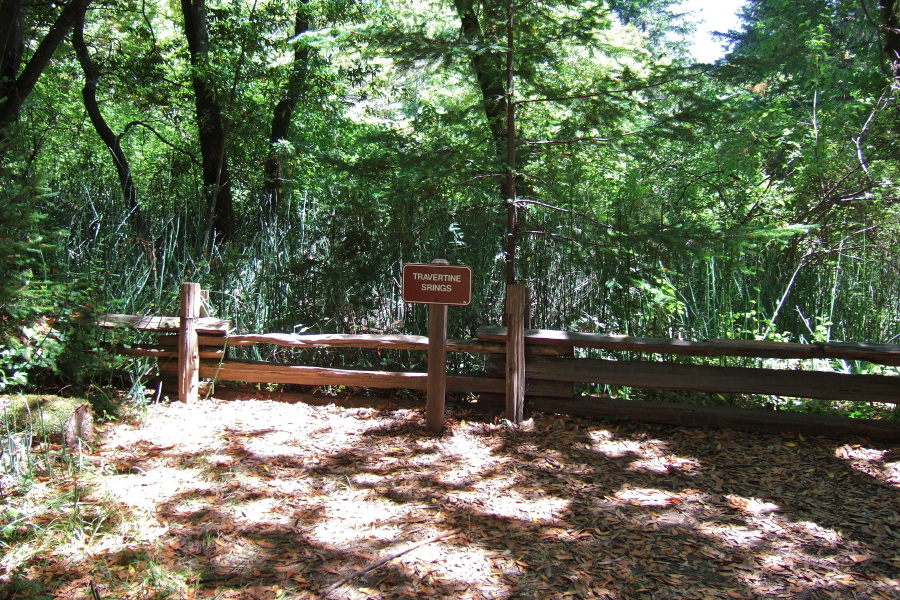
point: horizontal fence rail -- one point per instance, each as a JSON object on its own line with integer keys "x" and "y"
{"x": 148, "y": 323}
{"x": 271, "y": 372}
{"x": 551, "y": 369}
{"x": 542, "y": 362}
{"x": 883, "y": 354}
{"x": 540, "y": 366}
{"x": 165, "y": 344}
{"x": 722, "y": 380}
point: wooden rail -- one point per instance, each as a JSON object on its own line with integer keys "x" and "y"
{"x": 712, "y": 379}
{"x": 722, "y": 380}
{"x": 884, "y": 354}
{"x": 549, "y": 369}
{"x": 272, "y": 372}
{"x": 149, "y": 323}
{"x": 709, "y": 378}
{"x": 213, "y": 346}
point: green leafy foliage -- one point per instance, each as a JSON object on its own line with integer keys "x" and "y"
{"x": 754, "y": 198}
{"x": 44, "y": 321}
{"x": 25, "y": 291}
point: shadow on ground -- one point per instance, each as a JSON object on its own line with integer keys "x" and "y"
{"x": 287, "y": 500}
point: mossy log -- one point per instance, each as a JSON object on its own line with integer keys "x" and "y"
{"x": 58, "y": 420}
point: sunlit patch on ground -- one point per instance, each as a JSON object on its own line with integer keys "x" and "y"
{"x": 648, "y": 497}
{"x": 149, "y": 488}
{"x": 351, "y": 519}
{"x": 512, "y": 504}
{"x": 606, "y": 443}
{"x": 651, "y": 454}
{"x": 751, "y": 506}
{"x": 884, "y": 463}
{"x": 733, "y": 534}
{"x": 664, "y": 464}
{"x": 255, "y": 499}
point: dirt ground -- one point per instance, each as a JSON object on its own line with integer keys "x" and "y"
{"x": 263, "y": 500}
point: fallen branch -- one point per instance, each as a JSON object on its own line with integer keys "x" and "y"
{"x": 385, "y": 560}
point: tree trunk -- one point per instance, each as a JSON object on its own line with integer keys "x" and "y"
{"x": 891, "y": 21}
{"x": 512, "y": 210}
{"x": 15, "y": 87}
{"x": 13, "y": 45}
{"x": 283, "y": 113}
{"x": 495, "y": 82}
{"x": 488, "y": 67}
{"x": 112, "y": 141}
{"x": 220, "y": 223}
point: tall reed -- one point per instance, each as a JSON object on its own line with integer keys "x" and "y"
{"x": 326, "y": 265}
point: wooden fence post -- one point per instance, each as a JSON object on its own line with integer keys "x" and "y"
{"x": 188, "y": 344}
{"x": 516, "y": 305}
{"x": 436, "y": 393}
{"x": 436, "y": 387}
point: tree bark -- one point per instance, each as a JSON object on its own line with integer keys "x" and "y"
{"x": 488, "y": 67}
{"x": 495, "y": 80}
{"x": 15, "y": 87}
{"x": 112, "y": 141}
{"x": 512, "y": 209}
{"x": 212, "y": 130}
{"x": 283, "y": 113}
{"x": 891, "y": 21}
{"x": 13, "y": 44}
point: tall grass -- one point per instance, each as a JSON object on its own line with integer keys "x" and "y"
{"x": 323, "y": 265}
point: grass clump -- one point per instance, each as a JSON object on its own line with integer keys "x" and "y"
{"x": 56, "y": 523}
{"x": 43, "y": 416}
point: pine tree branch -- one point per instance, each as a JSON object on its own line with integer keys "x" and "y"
{"x": 568, "y": 211}
{"x": 630, "y": 88}
{"x": 594, "y": 140}
{"x": 162, "y": 139}
{"x": 581, "y": 243}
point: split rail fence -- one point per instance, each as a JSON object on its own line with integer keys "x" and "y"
{"x": 539, "y": 367}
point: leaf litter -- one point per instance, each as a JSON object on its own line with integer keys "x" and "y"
{"x": 263, "y": 500}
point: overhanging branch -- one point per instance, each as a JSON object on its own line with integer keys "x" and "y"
{"x": 630, "y": 88}
{"x": 161, "y": 138}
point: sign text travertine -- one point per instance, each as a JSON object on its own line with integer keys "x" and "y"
{"x": 437, "y": 284}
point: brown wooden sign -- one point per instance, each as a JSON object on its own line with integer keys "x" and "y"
{"x": 437, "y": 284}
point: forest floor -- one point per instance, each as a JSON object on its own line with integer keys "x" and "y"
{"x": 262, "y": 500}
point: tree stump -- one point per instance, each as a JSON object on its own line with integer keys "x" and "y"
{"x": 57, "y": 420}
{"x": 79, "y": 427}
